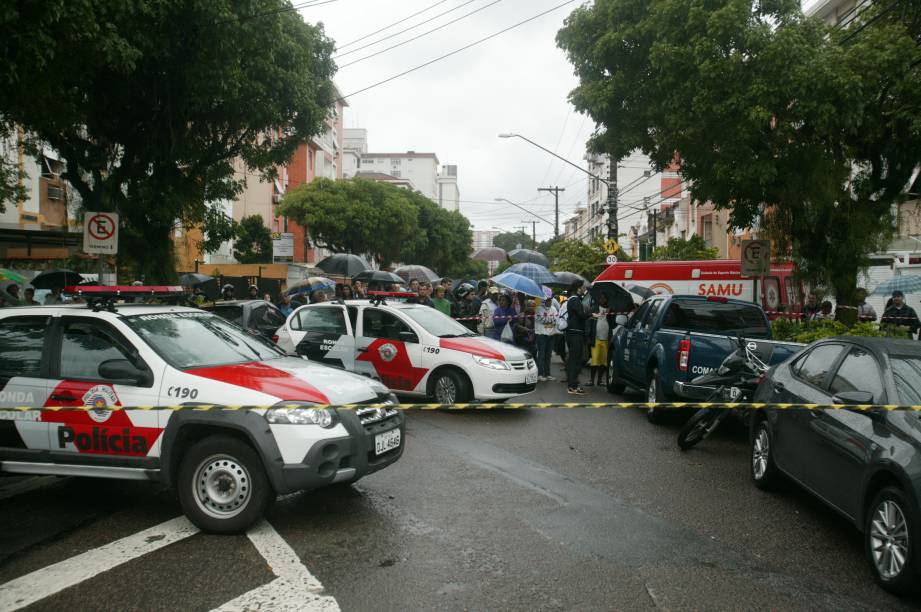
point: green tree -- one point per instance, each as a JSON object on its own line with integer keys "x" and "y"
{"x": 579, "y": 257}
{"x": 511, "y": 240}
{"x": 679, "y": 249}
{"x": 766, "y": 110}
{"x": 444, "y": 239}
{"x": 253, "y": 242}
{"x": 151, "y": 102}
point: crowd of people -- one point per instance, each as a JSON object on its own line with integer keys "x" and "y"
{"x": 895, "y": 312}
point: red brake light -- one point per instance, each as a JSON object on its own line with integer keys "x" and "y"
{"x": 102, "y": 291}
{"x": 398, "y": 294}
{"x": 684, "y": 355}
{"x": 275, "y": 338}
{"x": 714, "y": 298}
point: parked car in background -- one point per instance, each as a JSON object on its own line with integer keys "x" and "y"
{"x": 864, "y": 464}
{"x": 256, "y": 315}
{"x": 670, "y": 340}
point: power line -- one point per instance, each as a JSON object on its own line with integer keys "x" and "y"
{"x": 412, "y": 27}
{"x": 867, "y": 23}
{"x": 285, "y": 9}
{"x": 417, "y": 37}
{"x": 456, "y": 51}
{"x": 387, "y": 27}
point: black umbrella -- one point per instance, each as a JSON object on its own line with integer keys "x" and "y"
{"x": 528, "y": 256}
{"x": 489, "y": 254}
{"x": 378, "y": 276}
{"x": 419, "y": 273}
{"x": 190, "y": 279}
{"x": 642, "y": 292}
{"x": 49, "y": 279}
{"x": 619, "y": 299}
{"x": 344, "y": 264}
{"x": 566, "y": 279}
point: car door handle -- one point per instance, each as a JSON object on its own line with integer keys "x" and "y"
{"x": 63, "y": 397}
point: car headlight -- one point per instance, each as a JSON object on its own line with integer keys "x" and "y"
{"x": 388, "y": 399}
{"x": 495, "y": 364}
{"x": 292, "y": 414}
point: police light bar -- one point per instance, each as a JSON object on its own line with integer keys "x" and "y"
{"x": 101, "y": 291}
{"x": 395, "y": 294}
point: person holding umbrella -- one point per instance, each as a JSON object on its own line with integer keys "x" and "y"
{"x": 54, "y": 297}
{"x": 545, "y": 330}
{"x": 30, "y": 296}
{"x": 599, "y": 333}
{"x": 503, "y": 315}
{"x": 487, "y": 308}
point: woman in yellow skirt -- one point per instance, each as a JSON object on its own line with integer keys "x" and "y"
{"x": 599, "y": 334}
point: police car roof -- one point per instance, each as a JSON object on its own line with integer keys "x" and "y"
{"x": 121, "y": 309}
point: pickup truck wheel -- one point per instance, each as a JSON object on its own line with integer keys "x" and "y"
{"x": 222, "y": 485}
{"x": 654, "y": 393}
{"x": 614, "y": 382}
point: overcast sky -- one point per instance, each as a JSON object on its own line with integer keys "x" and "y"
{"x": 516, "y": 82}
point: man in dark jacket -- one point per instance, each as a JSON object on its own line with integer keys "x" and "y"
{"x": 576, "y": 326}
{"x": 900, "y": 313}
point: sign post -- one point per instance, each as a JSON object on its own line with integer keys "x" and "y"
{"x": 756, "y": 261}
{"x": 282, "y": 247}
{"x": 100, "y": 236}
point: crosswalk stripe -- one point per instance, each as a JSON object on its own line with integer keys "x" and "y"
{"x": 47, "y": 581}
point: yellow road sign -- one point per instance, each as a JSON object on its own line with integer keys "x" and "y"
{"x": 611, "y": 247}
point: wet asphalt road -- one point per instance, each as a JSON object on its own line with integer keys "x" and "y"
{"x": 511, "y": 510}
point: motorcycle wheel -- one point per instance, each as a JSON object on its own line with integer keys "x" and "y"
{"x": 698, "y": 428}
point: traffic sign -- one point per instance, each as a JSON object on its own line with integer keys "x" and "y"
{"x": 611, "y": 246}
{"x": 756, "y": 257}
{"x": 611, "y": 259}
{"x": 100, "y": 233}
{"x": 282, "y": 246}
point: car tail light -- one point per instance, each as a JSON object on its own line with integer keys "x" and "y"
{"x": 684, "y": 355}
{"x": 275, "y": 338}
{"x": 714, "y": 298}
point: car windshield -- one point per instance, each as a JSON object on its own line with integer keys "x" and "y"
{"x": 200, "y": 339}
{"x": 436, "y": 322}
{"x": 907, "y": 374}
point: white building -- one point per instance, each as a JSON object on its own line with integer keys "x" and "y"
{"x": 484, "y": 238}
{"x": 420, "y": 168}
{"x": 354, "y": 145}
{"x": 834, "y": 12}
{"x": 448, "y": 193}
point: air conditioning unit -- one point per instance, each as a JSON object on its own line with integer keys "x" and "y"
{"x": 55, "y": 193}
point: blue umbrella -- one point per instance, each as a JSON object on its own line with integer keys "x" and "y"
{"x": 905, "y": 284}
{"x": 517, "y": 282}
{"x": 536, "y": 272}
{"x": 309, "y": 285}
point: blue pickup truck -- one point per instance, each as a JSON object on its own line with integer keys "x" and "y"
{"x": 675, "y": 338}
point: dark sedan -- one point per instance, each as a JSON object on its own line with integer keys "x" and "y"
{"x": 865, "y": 465}
{"x": 256, "y": 315}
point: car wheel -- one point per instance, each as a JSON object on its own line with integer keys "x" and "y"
{"x": 763, "y": 470}
{"x": 449, "y": 387}
{"x": 615, "y": 385}
{"x": 222, "y": 485}
{"x": 655, "y": 394}
{"x": 888, "y": 536}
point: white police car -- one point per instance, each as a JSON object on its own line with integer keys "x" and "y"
{"x": 227, "y": 465}
{"x": 413, "y": 349}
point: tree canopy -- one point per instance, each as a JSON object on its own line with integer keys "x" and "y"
{"x": 381, "y": 220}
{"x": 253, "y": 242}
{"x": 151, "y": 102}
{"x": 576, "y": 256}
{"x": 765, "y": 110}
{"x": 512, "y": 240}
{"x": 679, "y": 249}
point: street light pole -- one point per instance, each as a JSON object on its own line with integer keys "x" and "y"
{"x": 576, "y": 166}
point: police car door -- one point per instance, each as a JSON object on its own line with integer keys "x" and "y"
{"x": 388, "y": 345}
{"x": 93, "y": 364}
{"x": 23, "y": 382}
{"x": 326, "y": 335}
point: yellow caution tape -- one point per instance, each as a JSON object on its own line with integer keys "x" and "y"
{"x": 499, "y": 406}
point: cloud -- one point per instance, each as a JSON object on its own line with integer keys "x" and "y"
{"x": 516, "y": 82}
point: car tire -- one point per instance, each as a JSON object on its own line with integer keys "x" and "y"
{"x": 889, "y": 528}
{"x": 223, "y": 487}
{"x": 615, "y": 384}
{"x": 654, "y": 393}
{"x": 762, "y": 468}
{"x": 449, "y": 387}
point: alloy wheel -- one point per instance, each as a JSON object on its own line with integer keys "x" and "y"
{"x": 221, "y": 487}
{"x": 445, "y": 390}
{"x": 889, "y": 539}
{"x": 760, "y": 453}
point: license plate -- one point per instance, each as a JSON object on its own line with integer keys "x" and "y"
{"x": 386, "y": 441}
{"x": 531, "y": 379}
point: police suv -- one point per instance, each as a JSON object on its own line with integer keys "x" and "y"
{"x": 413, "y": 349}
{"x": 227, "y": 465}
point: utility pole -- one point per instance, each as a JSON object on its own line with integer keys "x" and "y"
{"x": 612, "y": 199}
{"x": 533, "y": 232}
{"x": 556, "y": 207}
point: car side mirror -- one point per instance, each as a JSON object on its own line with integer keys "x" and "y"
{"x": 408, "y": 336}
{"x": 620, "y": 319}
{"x": 122, "y": 371}
{"x": 852, "y": 398}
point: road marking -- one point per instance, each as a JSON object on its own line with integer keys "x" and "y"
{"x": 47, "y": 581}
{"x": 294, "y": 589}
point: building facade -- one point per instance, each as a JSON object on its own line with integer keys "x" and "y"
{"x": 448, "y": 193}
{"x": 421, "y": 169}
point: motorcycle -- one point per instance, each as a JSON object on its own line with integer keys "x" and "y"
{"x": 734, "y": 381}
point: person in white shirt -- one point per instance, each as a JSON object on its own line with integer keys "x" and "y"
{"x": 545, "y": 329}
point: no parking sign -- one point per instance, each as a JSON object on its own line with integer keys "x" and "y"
{"x": 100, "y": 233}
